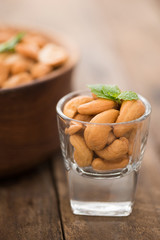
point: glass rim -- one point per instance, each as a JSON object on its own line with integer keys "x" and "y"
{"x": 68, "y": 96}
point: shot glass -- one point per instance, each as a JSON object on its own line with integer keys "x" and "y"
{"x": 100, "y": 189}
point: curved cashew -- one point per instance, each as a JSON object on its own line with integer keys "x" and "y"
{"x": 115, "y": 151}
{"x": 99, "y": 164}
{"x": 37, "y": 39}
{"x": 52, "y": 54}
{"x": 4, "y": 72}
{"x": 70, "y": 108}
{"x": 111, "y": 138}
{"x": 96, "y": 106}
{"x": 40, "y": 69}
{"x": 83, "y": 155}
{"x": 15, "y": 80}
{"x": 96, "y": 136}
{"x": 28, "y": 50}
{"x": 73, "y": 128}
{"x": 130, "y": 110}
{"x": 83, "y": 117}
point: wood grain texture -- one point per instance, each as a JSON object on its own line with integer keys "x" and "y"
{"x": 142, "y": 224}
{"x": 28, "y": 207}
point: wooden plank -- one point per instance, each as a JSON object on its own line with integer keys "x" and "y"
{"x": 142, "y": 224}
{"x": 28, "y": 207}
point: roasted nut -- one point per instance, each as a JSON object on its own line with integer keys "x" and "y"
{"x": 96, "y": 106}
{"x": 134, "y": 138}
{"x": 40, "y": 69}
{"x": 96, "y": 136}
{"x": 76, "y": 126}
{"x": 99, "y": 164}
{"x": 26, "y": 54}
{"x": 83, "y": 155}
{"x": 136, "y": 154}
{"x": 11, "y": 59}
{"x": 4, "y": 71}
{"x": 131, "y": 136}
{"x": 37, "y": 39}
{"x": 3, "y": 56}
{"x": 94, "y": 96}
{"x": 17, "y": 63}
{"x": 16, "y": 80}
{"x": 70, "y": 108}
{"x": 20, "y": 66}
{"x": 130, "y": 110}
{"x": 53, "y": 55}
{"x": 73, "y": 128}
{"x": 83, "y": 117}
{"x": 110, "y": 138}
{"x": 28, "y": 50}
{"x": 115, "y": 151}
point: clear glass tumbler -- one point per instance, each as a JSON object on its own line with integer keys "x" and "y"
{"x": 93, "y": 190}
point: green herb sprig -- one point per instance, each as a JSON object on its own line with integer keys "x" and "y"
{"x": 9, "y": 46}
{"x": 112, "y": 92}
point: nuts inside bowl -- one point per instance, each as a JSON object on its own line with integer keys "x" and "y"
{"x": 29, "y": 54}
{"x": 28, "y": 118}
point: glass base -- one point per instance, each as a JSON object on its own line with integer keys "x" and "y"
{"x": 102, "y": 195}
{"x": 113, "y": 209}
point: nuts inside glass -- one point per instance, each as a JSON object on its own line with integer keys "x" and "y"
{"x": 102, "y": 152}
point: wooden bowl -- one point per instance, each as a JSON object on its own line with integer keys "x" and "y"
{"x": 28, "y": 128}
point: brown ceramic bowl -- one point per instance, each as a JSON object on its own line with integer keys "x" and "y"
{"x": 28, "y": 128}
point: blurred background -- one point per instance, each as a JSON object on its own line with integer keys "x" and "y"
{"x": 119, "y": 41}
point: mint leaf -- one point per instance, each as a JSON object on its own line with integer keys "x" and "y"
{"x": 105, "y": 91}
{"x": 97, "y": 89}
{"x": 10, "y": 44}
{"x": 128, "y": 95}
{"x": 111, "y": 91}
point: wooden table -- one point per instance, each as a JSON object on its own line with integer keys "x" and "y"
{"x": 120, "y": 44}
